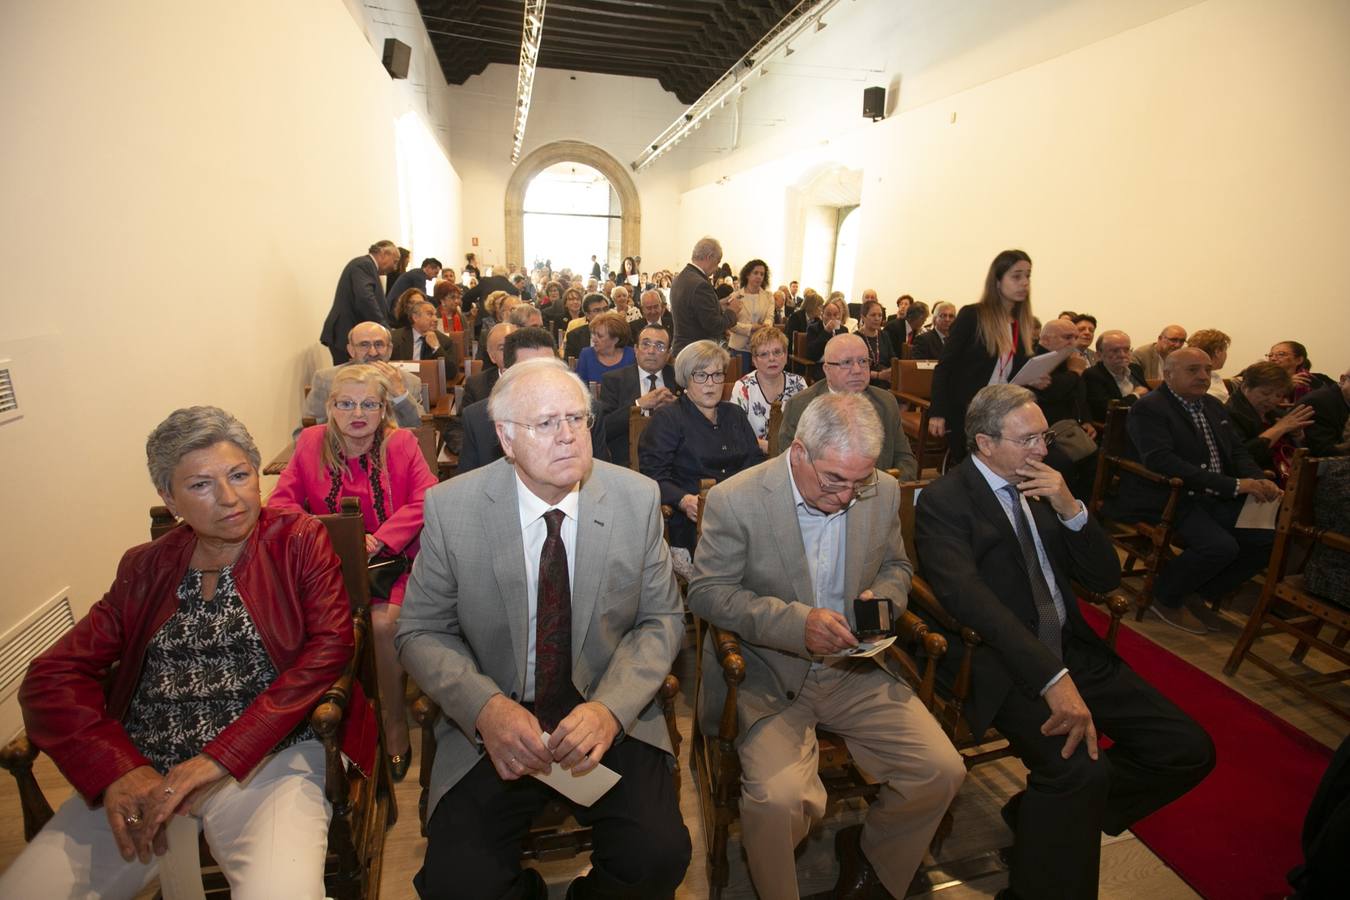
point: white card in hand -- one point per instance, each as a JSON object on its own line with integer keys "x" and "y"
{"x": 864, "y": 650}
{"x": 583, "y": 789}
{"x": 1255, "y": 514}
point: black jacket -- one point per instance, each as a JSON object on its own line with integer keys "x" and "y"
{"x": 927, "y": 345}
{"x": 479, "y": 386}
{"x": 484, "y": 287}
{"x": 358, "y": 298}
{"x": 964, "y": 368}
{"x": 1066, "y": 397}
{"x": 1102, "y": 389}
{"x": 1330, "y": 411}
{"x": 619, "y": 390}
{"x": 699, "y": 315}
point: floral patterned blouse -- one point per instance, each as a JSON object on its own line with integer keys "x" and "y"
{"x": 748, "y": 396}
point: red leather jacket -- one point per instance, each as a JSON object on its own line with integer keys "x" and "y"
{"x": 291, "y": 583}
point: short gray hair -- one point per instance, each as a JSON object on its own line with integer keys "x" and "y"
{"x": 1112, "y": 333}
{"x": 382, "y": 247}
{"x": 190, "y": 429}
{"x": 842, "y": 422}
{"x": 388, "y": 336}
{"x": 696, "y": 356}
{"x": 508, "y": 400}
{"x": 991, "y": 406}
{"x": 706, "y": 248}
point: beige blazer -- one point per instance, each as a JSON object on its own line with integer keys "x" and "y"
{"x": 895, "y": 450}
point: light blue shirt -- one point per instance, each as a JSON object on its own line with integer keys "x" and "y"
{"x": 1074, "y": 523}
{"x": 824, "y": 535}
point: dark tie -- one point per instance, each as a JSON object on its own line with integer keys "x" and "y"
{"x": 554, "y": 693}
{"x": 1048, "y": 627}
{"x": 651, "y": 383}
{"x": 424, "y": 349}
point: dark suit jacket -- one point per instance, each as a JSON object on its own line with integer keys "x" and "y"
{"x": 413, "y": 278}
{"x": 1330, "y": 412}
{"x": 484, "y": 287}
{"x": 578, "y": 340}
{"x": 1102, "y": 389}
{"x": 480, "y": 445}
{"x": 636, "y": 327}
{"x": 619, "y": 390}
{"x": 969, "y": 554}
{"x": 964, "y": 368}
{"x": 479, "y": 386}
{"x": 1066, "y": 397}
{"x": 698, "y": 313}
{"x": 1168, "y": 442}
{"x": 403, "y": 349}
{"x": 895, "y": 449}
{"x": 1249, "y": 424}
{"x": 927, "y": 345}
{"x": 358, "y": 298}
{"x": 816, "y": 339}
{"x": 899, "y": 334}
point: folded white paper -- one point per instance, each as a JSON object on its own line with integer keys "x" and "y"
{"x": 1034, "y": 368}
{"x": 583, "y": 789}
{"x": 864, "y": 650}
{"x": 1258, "y": 515}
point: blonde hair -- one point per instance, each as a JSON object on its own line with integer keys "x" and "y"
{"x": 494, "y": 302}
{"x": 767, "y": 334}
{"x": 1210, "y": 340}
{"x": 334, "y": 459}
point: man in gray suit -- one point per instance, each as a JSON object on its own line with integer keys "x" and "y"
{"x": 846, "y": 372}
{"x": 368, "y": 343}
{"x": 785, "y": 548}
{"x": 542, "y": 616}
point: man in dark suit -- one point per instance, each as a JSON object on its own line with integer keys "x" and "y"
{"x": 421, "y": 340}
{"x": 596, "y": 273}
{"x": 359, "y": 297}
{"x": 1331, "y": 409}
{"x": 1180, "y": 431}
{"x": 904, "y": 331}
{"x": 1005, "y": 567}
{"x": 698, "y": 313}
{"x": 649, "y": 385}
{"x": 1115, "y": 376}
{"x": 479, "y": 386}
{"x": 413, "y": 278}
{"x": 485, "y": 286}
{"x": 579, "y": 338}
{"x": 928, "y": 344}
{"x": 654, "y": 312}
{"x": 480, "y": 445}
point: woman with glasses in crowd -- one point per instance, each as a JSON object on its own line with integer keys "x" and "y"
{"x": 698, "y": 436}
{"x": 879, "y": 349}
{"x": 361, "y": 452}
{"x": 757, "y": 392}
{"x": 1293, "y": 358}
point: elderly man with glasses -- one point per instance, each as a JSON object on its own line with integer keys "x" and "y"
{"x": 786, "y": 547}
{"x": 1005, "y": 567}
{"x": 370, "y": 344}
{"x": 648, "y": 385}
{"x": 846, "y": 366}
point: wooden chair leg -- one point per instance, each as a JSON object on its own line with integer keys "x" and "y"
{"x": 1301, "y": 648}
{"x": 1251, "y": 629}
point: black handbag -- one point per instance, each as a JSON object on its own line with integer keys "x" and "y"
{"x": 384, "y": 572}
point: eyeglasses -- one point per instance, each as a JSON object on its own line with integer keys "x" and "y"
{"x": 1279, "y": 354}
{"x": 861, "y": 490}
{"x": 366, "y": 405}
{"x": 1026, "y": 443}
{"x": 861, "y": 363}
{"x": 649, "y": 344}
{"x": 775, "y": 353}
{"x": 553, "y": 424}
{"x": 705, "y": 377}
{"x": 372, "y": 345}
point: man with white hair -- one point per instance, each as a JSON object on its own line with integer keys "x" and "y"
{"x": 369, "y": 343}
{"x": 699, "y": 314}
{"x": 1115, "y": 376}
{"x": 929, "y": 344}
{"x": 542, "y": 616}
{"x": 786, "y": 546}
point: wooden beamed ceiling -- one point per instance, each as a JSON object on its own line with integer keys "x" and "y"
{"x": 685, "y": 45}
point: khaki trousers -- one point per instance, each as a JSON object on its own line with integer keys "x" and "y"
{"x": 890, "y": 735}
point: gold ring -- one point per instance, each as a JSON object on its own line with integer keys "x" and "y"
{"x": 169, "y": 790}
{"x": 133, "y": 820}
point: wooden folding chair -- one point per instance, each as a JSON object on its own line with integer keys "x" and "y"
{"x": 912, "y": 385}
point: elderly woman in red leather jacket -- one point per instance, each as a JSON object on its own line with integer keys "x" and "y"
{"x": 223, "y": 634}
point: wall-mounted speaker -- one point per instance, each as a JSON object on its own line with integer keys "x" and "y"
{"x": 397, "y": 55}
{"x": 874, "y": 103}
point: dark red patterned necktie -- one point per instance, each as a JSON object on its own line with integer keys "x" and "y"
{"x": 554, "y": 693}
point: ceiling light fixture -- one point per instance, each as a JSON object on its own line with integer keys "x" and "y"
{"x": 531, "y": 33}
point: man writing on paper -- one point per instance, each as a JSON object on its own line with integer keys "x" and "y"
{"x": 543, "y": 601}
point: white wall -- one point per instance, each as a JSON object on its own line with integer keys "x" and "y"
{"x": 1187, "y": 167}
{"x": 181, "y": 185}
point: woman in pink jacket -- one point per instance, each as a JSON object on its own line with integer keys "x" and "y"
{"x": 360, "y": 452}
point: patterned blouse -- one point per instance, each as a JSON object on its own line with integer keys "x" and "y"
{"x": 203, "y": 667}
{"x": 749, "y": 397}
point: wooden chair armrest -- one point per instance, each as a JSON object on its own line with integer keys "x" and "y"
{"x": 17, "y": 758}
{"x": 326, "y": 720}
{"x": 727, "y": 645}
{"x": 912, "y": 399}
{"x": 1116, "y": 603}
{"x": 1134, "y": 468}
{"x": 911, "y": 630}
{"x": 669, "y": 690}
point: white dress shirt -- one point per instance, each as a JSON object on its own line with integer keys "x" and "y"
{"x": 533, "y": 531}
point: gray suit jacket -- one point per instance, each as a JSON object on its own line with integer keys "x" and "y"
{"x": 751, "y": 577}
{"x": 463, "y": 630}
{"x": 407, "y": 410}
{"x": 895, "y": 449}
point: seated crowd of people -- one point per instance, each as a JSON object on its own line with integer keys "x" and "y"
{"x": 534, "y": 596}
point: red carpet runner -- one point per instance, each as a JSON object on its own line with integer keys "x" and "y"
{"x": 1237, "y": 834}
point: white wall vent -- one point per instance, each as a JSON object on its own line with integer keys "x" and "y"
{"x": 18, "y": 646}
{"x": 9, "y": 400}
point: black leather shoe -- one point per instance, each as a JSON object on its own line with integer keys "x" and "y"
{"x": 531, "y": 884}
{"x": 399, "y": 763}
{"x": 857, "y": 878}
{"x": 1009, "y": 811}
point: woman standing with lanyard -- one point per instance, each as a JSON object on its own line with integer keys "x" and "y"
{"x": 987, "y": 344}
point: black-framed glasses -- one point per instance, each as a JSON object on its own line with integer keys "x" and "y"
{"x": 1026, "y": 443}
{"x": 705, "y": 377}
{"x": 553, "y": 424}
{"x": 366, "y": 405}
{"x": 861, "y": 490}
{"x": 861, "y": 363}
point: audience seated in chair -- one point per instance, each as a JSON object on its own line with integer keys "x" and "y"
{"x": 610, "y": 348}
{"x": 833, "y": 322}
{"x": 1215, "y": 343}
{"x": 768, "y": 386}
{"x": 654, "y": 312}
{"x": 495, "y": 568}
{"x": 1270, "y": 433}
{"x": 1182, "y": 431}
{"x": 369, "y": 344}
{"x": 579, "y": 330}
{"x": 421, "y": 339}
{"x": 928, "y": 344}
{"x": 1293, "y": 358}
{"x": 1150, "y": 358}
{"x": 478, "y": 386}
{"x": 1115, "y": 376}
{"x": 480, "y": 445}
{"x": 1004, "y": 566}
{"x": 1064, "y": 403}
{"x": 1331, "y": 409}
{"x": 647, "y": 385}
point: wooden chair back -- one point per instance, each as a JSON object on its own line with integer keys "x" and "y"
{"x": 431, "y": 372}
{"x": 799, "y": 361}
{"x": 637, "y": 423}
{"x": 914, "y": 376}
{"x": 457, "y": 376}
{"x": 774, "y": 425}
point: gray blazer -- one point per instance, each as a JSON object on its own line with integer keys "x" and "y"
{"x": 751, "y": 577}
{"x": 463, "y": 630}
{"x": 407, "y": 411}
{"x": 895, "y": 449}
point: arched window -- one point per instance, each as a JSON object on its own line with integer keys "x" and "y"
{"x": 571, "y": 213}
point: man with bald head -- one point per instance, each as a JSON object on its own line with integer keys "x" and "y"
{"x": 1115, "y": 376}
{"x": 846, "y": 372}
{"x": 699, "y": 314}
{"x": 1180, "y": 431}
{"x": 1151, "y": 358}
{"x": 369, "y": 343}
{"x": 480, "y": 385}
{"x": 653, "y": 308}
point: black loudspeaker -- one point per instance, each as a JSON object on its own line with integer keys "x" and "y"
{"x": 874, "y": 103}
{"x": 397, "y": 55}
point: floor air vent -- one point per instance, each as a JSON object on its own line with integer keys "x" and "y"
{"x": 20, "y": 644}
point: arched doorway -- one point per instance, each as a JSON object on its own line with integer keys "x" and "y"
{"x": 572, "y": 215}
{"x": 575, "y": 152}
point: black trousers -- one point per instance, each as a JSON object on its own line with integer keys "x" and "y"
{"x": 641, "y": 845}
{"x": 1158, "y": 754}
{"x": 1325, "y": 870}
{"x": 1218, "y": 556}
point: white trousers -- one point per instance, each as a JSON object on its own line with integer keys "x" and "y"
{"x": 269, "y": 833}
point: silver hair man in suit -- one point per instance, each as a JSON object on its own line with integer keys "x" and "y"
{"x": 542, "y": 616}
{"x": 785, "y": 547}
{"x": 358, "y": 297}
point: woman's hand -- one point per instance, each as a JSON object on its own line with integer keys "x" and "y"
{"x": 763, "y": 445}
{"x": 183, "y": 786}
{"x": 689, "y": 506}
{"x": 373, "y": 545}
{"x": 937, "y": 426}
{"x": 1302, "y": 379}
{"x": 127, "y": 803}
{"x": 1296, "y": 419}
